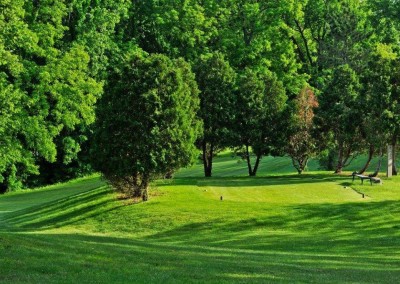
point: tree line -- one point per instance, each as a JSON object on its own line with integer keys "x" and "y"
{"x": 134, "y": 89}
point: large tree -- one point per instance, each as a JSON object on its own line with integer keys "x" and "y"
{"x": 339, "y": 114}
{"x": 216, "y": 80}
{"x": 382, "y": 95}
{"x": 91, "y": 26}
{"x": 146, "y": 122}
{"x": 45, "y": 86}
{"x": 261, "y": 100}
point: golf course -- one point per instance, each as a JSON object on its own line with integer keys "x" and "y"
{"x": 277, "y": 227}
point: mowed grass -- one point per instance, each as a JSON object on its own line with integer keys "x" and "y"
{"x": 274, "y": 228}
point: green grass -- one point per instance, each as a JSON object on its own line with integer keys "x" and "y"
{"x": 229, "y": 165}
{"x": 273, "y": 228}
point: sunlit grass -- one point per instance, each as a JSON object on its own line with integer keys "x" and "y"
{"x": 284, "y": 228}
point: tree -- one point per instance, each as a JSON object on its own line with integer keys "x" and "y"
{"x": 261, "y": 100}
{"x": 46, "y": 88}
{"x": 381, "y": 98}
{"x": 146, "y": 122}
{"x": 96, "y": 26}
{"x": 216, "y": 80}
{"x": 174, "y": 28}
{"x": 301, "y": 143}
{"x": 328, "y": 34}
{"x": 338, "y": 114}
{"x": 384, "y": 64}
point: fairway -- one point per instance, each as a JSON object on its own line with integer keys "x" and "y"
{"x": 275, "y": 228}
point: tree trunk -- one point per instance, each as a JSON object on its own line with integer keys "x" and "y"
{"x": 144, "y": 186}
{"x": 207, "y": 159}
{"x": 370, "y": 155}
{"x": 339, "y": 166}
{"x": 331, "y": 161}
{"x": 303, "y": 165}
{"x": 300, "y": 164}
{"x": 343, "y": 159}
{"x": 378, "y": 168}
{"x": 252, "y": 171}
{"x": 394, "y": 144}
{"x": 248, "y": 160}
{"x": 296, "y": 165}
{"x": 145, "y": 195}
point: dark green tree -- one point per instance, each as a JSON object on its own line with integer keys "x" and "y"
{"x": 381, "y": 100}
{"x": 261, "y": 100}
{"x": 146, "y": 122}
{"x": 216, "y": 80}
{"x": 338, "y": 114}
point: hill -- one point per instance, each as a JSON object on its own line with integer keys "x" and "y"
{"x": 279, "y": 228}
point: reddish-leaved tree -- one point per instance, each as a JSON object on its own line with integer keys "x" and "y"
{"x": 301, "y": 144}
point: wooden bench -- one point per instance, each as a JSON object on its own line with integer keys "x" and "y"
{"x": 362, "y": 177}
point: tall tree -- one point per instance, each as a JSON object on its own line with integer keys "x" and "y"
{"x": 384, "y": 18}
{"x": 24, "y": 133}
{"x": 146, "y": 122}
{"x": 256, "y": 42}
{"x": 339, "y": 114}
{"x": 261, "y": 99}
{"x": 382, "y": 97}
{"x": 50, "y": 86}
{"x": 216, "y": 80}
{"x": 301, "y": 142}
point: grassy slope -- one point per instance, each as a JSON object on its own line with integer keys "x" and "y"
{"x": 313, "y": 228}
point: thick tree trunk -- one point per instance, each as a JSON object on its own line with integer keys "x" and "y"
{"x": 299, "y": 164}
{"x": 339, "y": 166}
{"x": 296, "y": 165}
{"x": 370, "y": 156}
{"x": 252, "y": 171}
{"x": 207, "y": 159}
{"x": 343, "y": 158}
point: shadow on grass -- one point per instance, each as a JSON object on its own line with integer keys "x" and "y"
{"x": 351, "y": 242}
{"x": 62, "y": 212}
{"x": 253, "y": 181}
{"x": 224, "y": 255}
{"x": 354, "y": 228}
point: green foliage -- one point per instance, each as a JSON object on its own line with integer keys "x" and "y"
{"x": 95, "y": 26}
{"x": 216, "y": 80}
{"x": 338, "y": 113}
{"x": 146, "y": 122}
{"x": 174, "y": 28}
{"x": 45, "y": 88}
{"x": 56, "y": 55}
{"x": 261, "y": 101}
{"x": 301, "y": 142}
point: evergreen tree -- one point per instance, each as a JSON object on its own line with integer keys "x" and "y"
{"x": 146, "y": 122}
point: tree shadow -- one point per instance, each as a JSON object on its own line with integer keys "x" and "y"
{"x": 268, "y": 257}
{"x": 353, "y": 228}
{"x": 62, "y": 212}
{"x": 252, "y": 181}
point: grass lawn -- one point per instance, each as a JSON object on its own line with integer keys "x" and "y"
{"x": 278, "y": 227}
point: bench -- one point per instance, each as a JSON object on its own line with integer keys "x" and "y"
{"x": 362, "y": 177}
